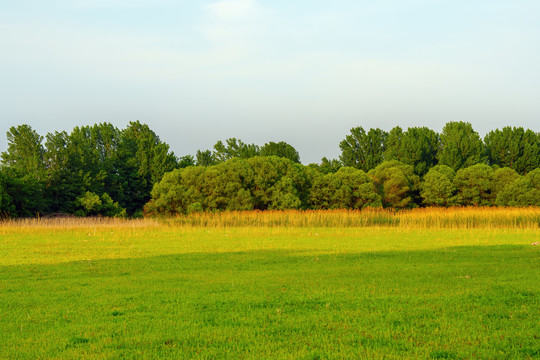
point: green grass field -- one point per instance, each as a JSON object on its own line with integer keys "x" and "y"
{"x": 155, "y": 291}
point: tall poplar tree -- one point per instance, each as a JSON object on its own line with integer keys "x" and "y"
{"x": 418, "y": 146}
{"x": 513, "y": 147}
{"x": 363, "y": 150}
{"x": 461, "y": 146}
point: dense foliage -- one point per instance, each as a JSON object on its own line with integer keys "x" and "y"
{"x": 93, "y": 170}
{"x": 103, "y": 170}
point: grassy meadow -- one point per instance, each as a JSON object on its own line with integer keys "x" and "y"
{"x": 439, "y": 284}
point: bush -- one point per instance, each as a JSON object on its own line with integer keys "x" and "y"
{"x": 438, "y": 189}
{"x": 502, "y": 177}
{"x": 523, "y": 191}
{"x": 396, "y": 183}
{"x": 279, "y": 183}
{"x": 237, "y": 184}
{"x": 91, "y": 204}
{"x": 348, "y": 188}
{"x": 474, "y": 185}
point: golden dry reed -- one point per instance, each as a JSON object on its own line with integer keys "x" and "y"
{"x": 456, "y": 217}
{"x": 76, "y": 222}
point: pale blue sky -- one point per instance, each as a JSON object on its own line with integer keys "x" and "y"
{"x": 305, "y": 72}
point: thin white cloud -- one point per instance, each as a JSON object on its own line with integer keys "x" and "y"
{"x": 118, "y": 3}
{"x": 234, "y": 29}
{"x": 233, "y": 9}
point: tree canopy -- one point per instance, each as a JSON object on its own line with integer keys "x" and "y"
{"x": 418, "y": 146}
{"x": 513, "y": 147}
{"x": 461, "y": 146}
{"x": 103, "y": 170}
{"x": 363, "y": 150}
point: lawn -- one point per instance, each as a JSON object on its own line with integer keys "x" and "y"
{"x": 145, "y": 290}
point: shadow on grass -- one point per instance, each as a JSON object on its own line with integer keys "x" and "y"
{"x": 459, "y": 302}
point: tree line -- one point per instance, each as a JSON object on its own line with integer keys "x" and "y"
{"x": 103, "y": 170}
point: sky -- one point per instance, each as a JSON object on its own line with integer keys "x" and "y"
{"x": 299, "y": 71}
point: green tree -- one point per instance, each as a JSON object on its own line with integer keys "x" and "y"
{"x": 461, "y": 146}
{"x": 513, "y": 147}
{"x": 281, "y": 149}
{"x": 205, "y": 158}
{"x": 143, "y": 160}
{"x": 474, "y": 185}
{"x": 25, "y": 151}
{"x": 437, "y": 187}
{"x": 7, "y": 209}
{"x": 418, "y": 146}
{"x": 524, "y": 191}
{"x": 328, "y": 166}
{"x": 225, "y": 186}
{"x": 237, "y": 178}
{"x": 83, "y": 161}
{"x": 170, "y": 196}
{"x": 86, "y": 160}
{"x": 234, "y": 148}
{"x": 534, "y": 178}
{"x": 396, "y": 183}
{"x": 363, "y": 150}
{"x": 323, "y": 190}
{"x": 392, "y": 146}
{"x": 26, "y": 194}
{"x": 279, "y": 183}
{"x": 24, "y": 168}
{"x": 93, "y": 204}
{"x": 90, "y": 204}
{"x": 62, "y": 184}
{"x": 111, "y": 208}
{"x": 147, "y": 152}
{"x": 348, "y": 188}
{"x": 502, "y": 178}
{"x": 186, "y": 161}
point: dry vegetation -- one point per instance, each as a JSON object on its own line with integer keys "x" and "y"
{"x": 376, "y": 284}
{"x": 464, "y": 218}
{"x": 457, "y": 217}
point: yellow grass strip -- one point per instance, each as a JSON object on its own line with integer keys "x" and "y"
{"x": 463, "y": 218}
{"x": 76, "y": 223}
{"x": 423, "y": 218}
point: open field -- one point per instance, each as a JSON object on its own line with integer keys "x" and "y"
{"x": 102, "y": 289}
